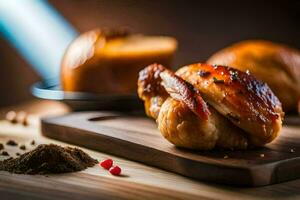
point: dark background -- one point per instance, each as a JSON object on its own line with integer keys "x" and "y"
{"x": 201, "y": 27}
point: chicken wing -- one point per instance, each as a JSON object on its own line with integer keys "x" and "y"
{"x": 184, "y": 118}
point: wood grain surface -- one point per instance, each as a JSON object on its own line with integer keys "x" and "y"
{"x": 137, "y": 138}
{"x": 14, "y": 186}
{"x": 138, "y": 181}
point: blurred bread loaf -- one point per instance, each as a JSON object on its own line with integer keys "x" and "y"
{"x": 102, "y": 61}
{"x": 276, "y": 64}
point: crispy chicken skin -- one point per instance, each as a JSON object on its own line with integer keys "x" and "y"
{"x": 150, "y": 89}
{"x": 182, "y": 116}
{"x": 238, "y": 96}
{"x": 179, "y": 125}
{"x": 241, "y": 111}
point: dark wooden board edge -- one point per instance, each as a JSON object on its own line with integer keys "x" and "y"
{"x": 275, "y": 173}
{"x": 154, "y": 157}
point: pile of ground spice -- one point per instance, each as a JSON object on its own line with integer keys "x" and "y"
{"x": 49, "y": 159}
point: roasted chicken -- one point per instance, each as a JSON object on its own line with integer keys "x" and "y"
{"x": 203, "y": 106}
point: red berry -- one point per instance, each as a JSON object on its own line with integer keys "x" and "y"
{"x": 106, "y": 164}
{"x": 115, "y": 170}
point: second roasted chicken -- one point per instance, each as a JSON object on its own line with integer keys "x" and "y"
{"x": 205, "y": 106}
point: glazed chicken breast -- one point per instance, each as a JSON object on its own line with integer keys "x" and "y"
{"x": 248, "y": 103}
{"x": 203, "y": 106}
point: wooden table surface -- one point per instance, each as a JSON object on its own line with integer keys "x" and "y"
{"x": 138, "y": 181}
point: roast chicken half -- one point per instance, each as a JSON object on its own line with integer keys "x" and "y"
{"x": 204, "y": 106}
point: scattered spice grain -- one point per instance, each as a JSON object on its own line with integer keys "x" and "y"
{"x": 11, "y": 143}
{"x": 23, "y": 147}
{"x": 4, "y": 153}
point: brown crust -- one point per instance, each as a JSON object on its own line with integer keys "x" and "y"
{"x": 156, "y": 80}
{"x": 249, "y": 100}
{"x": 182, "y": 91}
{"x": 88, "y": 65}
{"x": 239, "y": 96}
{"x": 276, "y": 51}
{"x": 247, "y": 89}
{"x": 149, "y": 82}
{"x": 110, "y": 33}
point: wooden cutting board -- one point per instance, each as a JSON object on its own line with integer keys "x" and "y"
{"x": 137, "y": 138}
